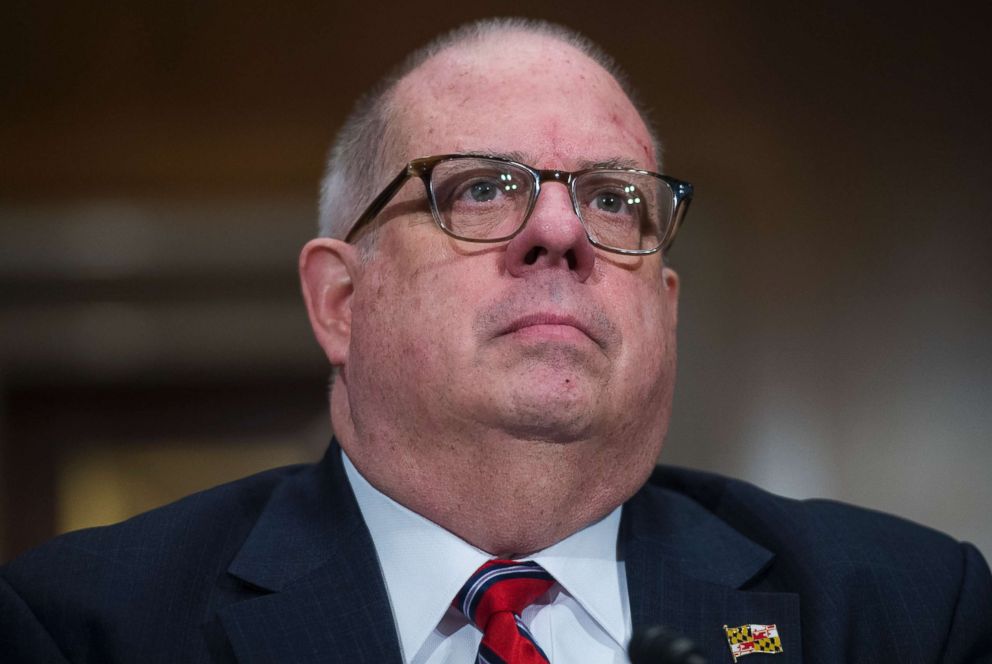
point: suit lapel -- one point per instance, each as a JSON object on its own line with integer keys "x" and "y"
{"x": 311, "y": 552}
{"x": 685, "y": 568}
{"x": 322, "y": 597}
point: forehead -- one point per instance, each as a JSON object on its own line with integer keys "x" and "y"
{"x": 524, "y": 94}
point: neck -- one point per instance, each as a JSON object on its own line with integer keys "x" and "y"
{"x": 507, "y": 496}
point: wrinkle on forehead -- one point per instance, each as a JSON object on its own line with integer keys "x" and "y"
{"x": 523, "y": 88}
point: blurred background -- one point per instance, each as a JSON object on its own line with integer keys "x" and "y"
{"x": 159, "y": 165}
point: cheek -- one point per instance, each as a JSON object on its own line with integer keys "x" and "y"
{"x": 416, "y": 316}
{"x": 648, "y": 324}
{"x": 391, "y": 320}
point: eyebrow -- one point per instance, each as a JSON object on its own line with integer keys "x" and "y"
{"x": 609, "y": 162}
{"x": 612, "y": 162}
{"x": 512, "y": 155}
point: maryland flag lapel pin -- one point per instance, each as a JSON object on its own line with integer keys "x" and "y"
{"x": 750, "y": 639}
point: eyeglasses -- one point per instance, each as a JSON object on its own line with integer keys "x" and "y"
{"x": 488, "y": 199}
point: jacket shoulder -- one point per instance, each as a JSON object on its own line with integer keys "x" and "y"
{"x": 206, "y": 520}
{"x": 165, "y": 567}
{"x": 815, "y": 526}
{"x": 897, "y": 577}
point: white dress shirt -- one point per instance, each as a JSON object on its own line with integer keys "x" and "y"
{"x": 584, "y": 617}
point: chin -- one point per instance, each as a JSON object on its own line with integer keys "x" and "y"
{"x": 559, "y": 432}
{"x": 560, "y": 416}
{"x": 550, "y": 392}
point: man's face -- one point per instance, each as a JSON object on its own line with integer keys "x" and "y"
{"x": 544, "y": 337}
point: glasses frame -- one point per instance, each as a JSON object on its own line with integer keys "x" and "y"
{"x": 423, "y": 168}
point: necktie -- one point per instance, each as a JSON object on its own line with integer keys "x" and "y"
{"x": 493, "y": 599}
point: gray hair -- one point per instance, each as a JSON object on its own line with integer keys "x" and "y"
{"x": 357, "y": 158}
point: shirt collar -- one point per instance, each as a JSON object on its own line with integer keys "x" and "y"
{"x": 585, "y": 564}
{"x": 420, "y": 559}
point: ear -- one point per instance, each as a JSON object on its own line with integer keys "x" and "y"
{"x": 670, "y": 281}
{"x": 328, "y": 268}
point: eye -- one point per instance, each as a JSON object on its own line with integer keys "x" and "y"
{"x": 483, "y": 191}
{"x": 608, "y": 202}
{"x": 485, "y": 188}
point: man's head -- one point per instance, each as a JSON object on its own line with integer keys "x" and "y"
{"x": 535, "y": 374}
{"x": 366, "y": 147}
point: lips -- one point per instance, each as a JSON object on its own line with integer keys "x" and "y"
{"x": 547, "y": 322}
{"x": 547, "y": 307}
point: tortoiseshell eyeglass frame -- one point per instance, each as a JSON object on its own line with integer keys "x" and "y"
{"x": 424, "y": 168}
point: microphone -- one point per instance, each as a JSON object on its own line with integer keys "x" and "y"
{"x": 661, "y": 645}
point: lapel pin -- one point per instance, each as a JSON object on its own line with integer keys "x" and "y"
{"x": 751, "y": 639}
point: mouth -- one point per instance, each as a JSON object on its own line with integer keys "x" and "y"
{"x": 549, "y": 326}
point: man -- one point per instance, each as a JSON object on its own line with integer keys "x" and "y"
{"x": 502, "y": 325}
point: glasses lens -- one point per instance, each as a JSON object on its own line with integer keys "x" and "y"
{"x": 481, "y": 199}
{"x": 625, "y": 210}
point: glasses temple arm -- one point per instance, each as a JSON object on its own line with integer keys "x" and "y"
{"x": 379, "y": 202}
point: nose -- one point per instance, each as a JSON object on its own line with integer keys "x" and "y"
{"x": 552, "y": 238}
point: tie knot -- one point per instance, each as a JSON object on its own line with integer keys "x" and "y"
{"x": 501, "y": 585}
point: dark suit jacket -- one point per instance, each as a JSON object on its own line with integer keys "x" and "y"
{"x": 279, "y": 567}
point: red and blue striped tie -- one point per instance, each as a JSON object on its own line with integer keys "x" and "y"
{"x": 493, "y": 599}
